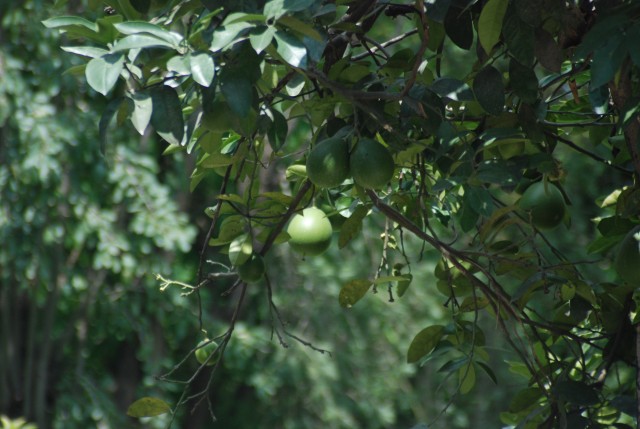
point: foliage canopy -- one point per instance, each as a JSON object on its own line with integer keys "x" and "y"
{"x": 475, "y": 100}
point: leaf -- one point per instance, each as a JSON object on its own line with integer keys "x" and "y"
{"x": 148, "y": 407}
{"x": 202, "y": 68}
{"x": 230, "y": 228}
{"x": 136, "y": 27}
{"x": 140, "y": 41}
{"x": 467, "y": 377}
{"x": 166, "y": 116}
{"x": 278, "y": 130}
{"x": 353, "y": 291}
{"x": 576, "y": 392}
{"x": 490, "y": 23}
{"x": 237, "y": 91}
{"x": 403, "y": 285}
{"x": 105, "y": 120}
{"x": 277, "y": 8}
{"x": 488, "y": 371}
{"x": 489, "y": 90}
{"x": 352, "y": 226}
{"x": 547, "y": 51}
{"x": 607, "y": 60}
{"x": 291, "y": 49}
{"x": 300, "y": 27}
{"x": 86, "y": 51}
{"x": 229, "y": 33}
{"x": 142, "y": 109}
{"x": 454, "y": 89}
{"x": 69, "y": 21}
{"x": 102, "y": 73}
{"x": 240, "y": 249}
{"x": 260, "y": 40}
{"x": 459, "y": 27}
{"x": 519, "y": 38}
{"x": 525, "y": 399}
{"x": 424, "y": 343}
{"x": 523, "y": 82}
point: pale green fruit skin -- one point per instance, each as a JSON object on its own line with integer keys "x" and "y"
{"x": 328, "y": 163}
{"x": 252, "y": 270}
{"x": 627, "y": 262}
{"x": 371, "y": 164}
{"x": 203, "y": 352}
{"x": 544, "y": 205}
{"x": 310, "y": 232}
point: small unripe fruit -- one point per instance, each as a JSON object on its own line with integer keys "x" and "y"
{"x": 371, "y": 164}
{"x": 310, "y": 232}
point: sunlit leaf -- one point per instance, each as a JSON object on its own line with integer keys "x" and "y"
{"x": 202, "y": 68}
{"x": 490, "y": 23}
{"x": 148, "y": 407}
{"x": 353, "y": 291}
{"x": 102, "y": 73}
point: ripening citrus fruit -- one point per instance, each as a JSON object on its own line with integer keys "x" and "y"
{"x": 371, "y": 164}
{"x": 206, "y": 348}
{"x": 544, "y": 205}
{"x": 328, "y": 163}
{"x": 252, "y": 270}
{"x": 627, "y": 262}
{"x": 310, "y": 232}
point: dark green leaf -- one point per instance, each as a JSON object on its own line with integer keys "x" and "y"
{"x": 488, "y": 371}
{"x": 523, "y": 82}
{"x": 424, "y": 343}
{"x": 599, "y": 99}
{"x": 519, "y": 38}
{"x": 525, "y": 399}
{"x": 489, "y": 90}
{"x": 607, "y": 60}
{"x": 403, "y": 285}
{"x": 576, "y": 392}
{"x": 454, "y": 89}
{"x": 547, "y": 51}
{"x": 353, "y": 291}
{"x": 459, "y": 27}
{"x": 166, "y": 117}
{"x": 148, "y": 407}
{"x": 278, "y": 130}
{"x": 300, "y": 27}
{"x": 237, "y": 91}
{"x": 352, "y": 226}
{"x": 102, "y": 73}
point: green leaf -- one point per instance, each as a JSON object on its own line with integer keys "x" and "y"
{"x": 459, "y": 27}
{"x": 228, "y": 34}
{"x": 142, "y": 109}
{"x": 300, "y": 27}
{"x": 140, "y": 41}
{"x": 489, "y": 90}
{"x": 137, "y": 27}
{"x": 148, "y": 407}
{"x": 102, "y": 73}
{"x": 86, "y": 51}
{"x": 424, "y": 343}
{"x": 547, "y": 51}
{"x": 166, "y": 116}
{"x": 404, "y": 284}
{"x": 237, "y": 91}
{"x": 230, "y": 228}
{"x": 576, "y": 392}
{"x": 105, "y": 120}
{"x": 519, "y": 38}
{"x": 353, "y": 291}
{"x": 607, "y": 60}
{"x": 202, "y": 68}
{"x": 523, "y": 81}
{"x": 291, "y": 49}
{"x": 490, "y": 23}
{"x": 352, "y": 226}
{"x": 525, "y": 399}
{"x": 467, "y": 378}
{"x": 454, "y": 89}
{"x": 278, "y": 130}
{"x": 64, "y": 22}
{"x": 240, "y": 249}
{"x": 277, "y": 8}
{"x": 260, "y": 40}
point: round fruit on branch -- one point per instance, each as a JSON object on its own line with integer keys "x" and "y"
{"x": 205, "y": 349}
{"x": 544, "y": 204}
{"x": 371, "y": 164}
{"x": 310, "y": 232}
{"x": 252, "y": 270}
{"x": 328, "y": 163}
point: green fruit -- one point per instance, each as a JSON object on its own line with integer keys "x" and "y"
{"x": 627, "y": 262}
{"x": 204, "y": 351}
{"x": 371, "y": 164}
{"x": 310, "y": 232}
{"x": 328, "y": 163}
{"x": 252, "y": 270}
{"x": 544, "y": 205}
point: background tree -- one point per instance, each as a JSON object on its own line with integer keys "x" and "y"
{"x": 485, "y": 107}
